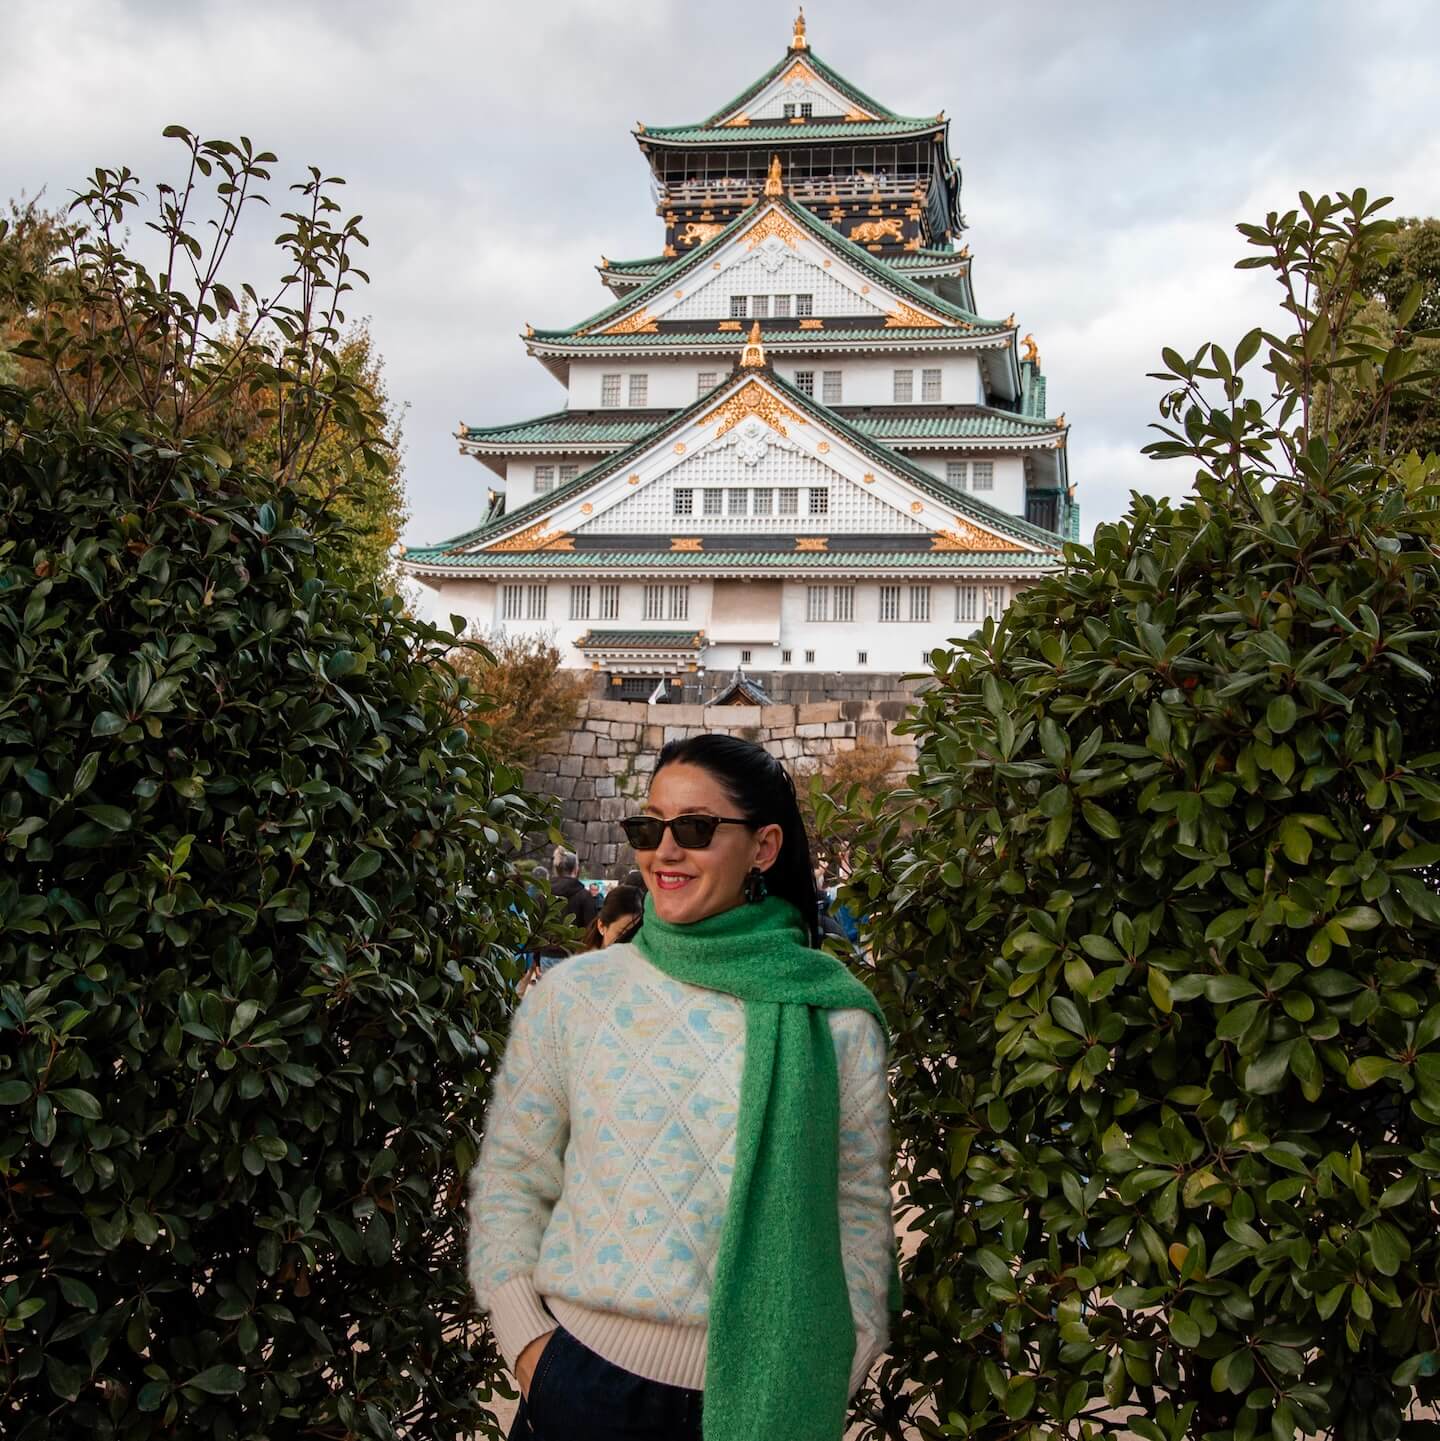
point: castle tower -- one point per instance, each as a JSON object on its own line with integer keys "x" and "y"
{"x": 791, "y": 444}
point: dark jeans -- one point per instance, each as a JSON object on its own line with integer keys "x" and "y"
{"x": 576, "y": 1395}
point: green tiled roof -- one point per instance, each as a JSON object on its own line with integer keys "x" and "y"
{"x": 561, "y": 428}
{"x": 652, "y": 639}
{"x": 736, "y": 137}
{"x": 564, "y": 560}
{"x": 734, "y": 340}
{"x": 821, "y": 230}
{"x": 976, "y": 424}
{"x": 825, "y": 71}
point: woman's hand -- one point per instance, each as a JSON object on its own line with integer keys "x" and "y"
{"x": 528, "y": 1359}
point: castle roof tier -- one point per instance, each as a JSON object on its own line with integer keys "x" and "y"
{"x": 845, "y": 154}
{"x": 880, "y": 513}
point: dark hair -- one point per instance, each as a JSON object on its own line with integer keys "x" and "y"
{"x": 621, "y": 901}
{"x": 764, "y": 795}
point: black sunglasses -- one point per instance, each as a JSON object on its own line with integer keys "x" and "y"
{"x": 692, "y": 833}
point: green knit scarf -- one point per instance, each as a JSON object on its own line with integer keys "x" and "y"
{"x": 781, "y": 1337}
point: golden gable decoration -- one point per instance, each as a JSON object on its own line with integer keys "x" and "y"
{"x": 537, "y": 537}
{"x": 771, "y": 223}
{"x": 908, "y": 317}
{"x": 967, "y": 537}
{"x": 687, "y": 543}
{"x": 753, "y": 399}
{"x": 811, "y": 543}
{"x": 638, "y": 324}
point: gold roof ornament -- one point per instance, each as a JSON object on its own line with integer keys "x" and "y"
{"x": 797, "y": 40}
{"x": 529, "y": 329}
{"x": 1032, "y": 351}
{"x": 1062, "y": 422}
{"x": 1010, "y": 321}
{"x": 774, "y": 182}
{"x": 753, "y": 356}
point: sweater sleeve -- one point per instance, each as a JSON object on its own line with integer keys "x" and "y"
{"x": 867, "y": 1224}
{"x": 517, "y": 1180}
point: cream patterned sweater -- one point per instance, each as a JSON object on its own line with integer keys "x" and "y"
{"x": 602, "y": 1183}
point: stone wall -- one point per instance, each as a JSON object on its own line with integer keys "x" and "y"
{"x": 601, "y": 768}
{"x": 790, "y": 687}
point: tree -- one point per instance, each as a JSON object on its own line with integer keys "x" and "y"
{"x": 1407, "y": 265}
{"x": 1163, "y": 972}
{"x": 857, "y": 781}
{"x": 257, "y": 910}
{"x": 526, "y": 699}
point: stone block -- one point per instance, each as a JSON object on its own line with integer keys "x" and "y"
{"x": 682, "y": 715}
{"x": 604, "y": 787}
{"x": 582, "y": 743}
{"x": 777, "y": 715}
{"x": 842, "y": 743}
{"x": 780, "y": 733}
{"x": 604, "y": 746}
{"x": 612, "y": 710}
{"x": 840, "y": 728}
{"x": 790, "y": 749}
{"x": 614, "y": 808}
{"x": 852, "y": 709}
{"x": 625, "y": 730}
{"x": 596, "y": 766}
{"x": 644, "y": 763}
{"x": 810, "y": 728}
{"x": 654, "y": 737}
{"x": 561, "y": 786}
{"x": 892, "y": 710}
{"x": 817, "y": 714}
{"x": 571, "y": 765}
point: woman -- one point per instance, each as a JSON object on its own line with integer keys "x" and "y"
{"x": 682, "y": 1204}
{"x": 618, "y": 920}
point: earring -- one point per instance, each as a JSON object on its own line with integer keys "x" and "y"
{"x": 755, "y": 888}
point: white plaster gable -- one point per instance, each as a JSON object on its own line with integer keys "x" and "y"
{"x": 799, "y": 84}
{"x": 752, "y": 437}
{"x": 772, "y": 255}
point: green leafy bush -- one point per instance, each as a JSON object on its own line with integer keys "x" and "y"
{"x": 1164, "y": 960}
{"x": 256, "y": 916}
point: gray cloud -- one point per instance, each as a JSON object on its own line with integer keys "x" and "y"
{"x": 1108, "y": 150}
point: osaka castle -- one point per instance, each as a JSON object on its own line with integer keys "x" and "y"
{"x": 790, "y": 444}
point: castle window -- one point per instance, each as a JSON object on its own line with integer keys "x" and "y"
{"x": 956, "y": 472}
{"x": 764, "y": 501}
{"x": 920, "y": 602}
{"x": 739, "y": 304}
{"x": 738, "y": 502}
{"x": 789, "y": 501}
{"x": 654, "y": 602}
{"x": 819, "y": 502}
{"x": 817, "y": 603}
{"x": 679, "y": 602}
{"x": 579, "y": 602}
{"x": 609, "y": 602}
{"x": 512, "y": 602}
{"x": 904, "y": 389}
{"x": 568, "y": 473}
{"x": 544, "y": 479}
{"x": 809, "y": 657}
{"x": 787, "y": 111}
{"x": 705, "y": 382}
{"x": 639, "y": 389}
{"x": 786, "y": 656}
{"x": 830, "y": 387}
{"x": 804, "y": 305}
{"x": 535, "y": 601}
{"x": 760, "y": 307}
{"x": 745, "y": 657}
{"x": 994, "y": 600}
{"x": 967, "y": 602}
{"x": 684, "y": 502}
{"x": 805, "y": 381}
{"x": 984, "y": 475}
{"x": 843, "y": 608}
{"x": 929, "y": 385}
{"x": 782, "y": 306}
{"x": 807, "y": 108}
{"x": 862, "y": 657}
{"x": 609, "y": 390}
{"x": 889, "y": 602}
{"x": 714, "y": 501}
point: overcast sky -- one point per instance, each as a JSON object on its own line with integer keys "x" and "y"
{"x": 1108, "y": 149}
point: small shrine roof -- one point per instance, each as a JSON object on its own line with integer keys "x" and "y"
{"x": 563, "y": 427}
{"x": 824, "y": 70}
{"x": 642, "y": 639}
